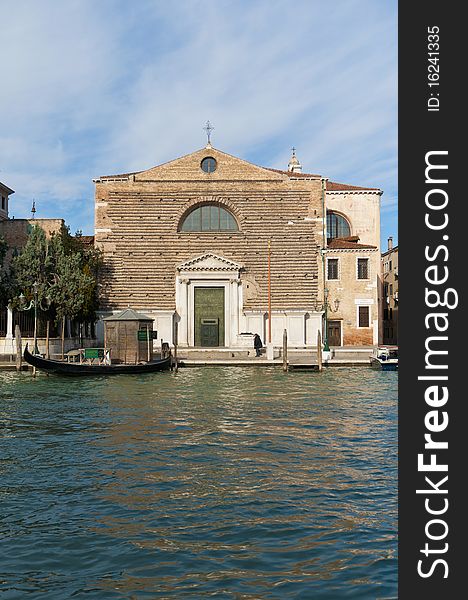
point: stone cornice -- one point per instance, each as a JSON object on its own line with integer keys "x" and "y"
{"x": 353, "y": 250}
{"x": 344, "y": 192}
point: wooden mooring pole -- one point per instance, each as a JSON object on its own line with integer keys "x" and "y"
{"x": 48, "y": 340}
{"x": 176, "y": 341}
{"x": 148, "y": 342}
{"x": 285, "y": 350}
{"x": 19, "y": 348}
{"x": 319, "y": 351}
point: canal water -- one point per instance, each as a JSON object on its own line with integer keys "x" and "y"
{"x": 236, "y": 483}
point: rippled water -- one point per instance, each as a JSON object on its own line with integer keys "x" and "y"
{"x": 215, "y": 482}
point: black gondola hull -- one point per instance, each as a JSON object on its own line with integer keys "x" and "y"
{"x": 64, "y": 368}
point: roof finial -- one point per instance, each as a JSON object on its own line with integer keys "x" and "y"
{"x": 294, "y": 165}
{"x": 33, "y": 209}
{"x": 208, "y": 128}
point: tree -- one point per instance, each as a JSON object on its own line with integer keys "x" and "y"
{"x": 66, "y": 273}
{"x": 91, "y": 260}
{"x": 70, "y": 288}
{"x": 33, "y": 265}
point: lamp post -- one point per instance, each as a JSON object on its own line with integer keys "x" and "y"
{"x": 33, "y": 303}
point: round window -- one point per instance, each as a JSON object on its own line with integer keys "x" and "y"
{"x": 208, "y": 164}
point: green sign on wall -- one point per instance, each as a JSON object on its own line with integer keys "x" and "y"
{"x": 142, "y": 335}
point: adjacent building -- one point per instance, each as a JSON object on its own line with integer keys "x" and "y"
{"x": 225, "y": 249}
{"x": 389, "y": 262}
{"x": 5, "y": 193}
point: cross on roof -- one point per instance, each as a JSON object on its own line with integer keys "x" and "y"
{"x": 208, "y": 128}
{"x": 293, "y": 151}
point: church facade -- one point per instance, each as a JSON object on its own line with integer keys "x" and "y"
{"x": 226, "y": 249}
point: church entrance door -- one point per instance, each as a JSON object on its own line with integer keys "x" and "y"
{"x": 209, "y": 316}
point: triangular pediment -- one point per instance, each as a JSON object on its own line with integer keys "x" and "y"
{"x": 228, "y": 168}
{"x": 209, "y": 262}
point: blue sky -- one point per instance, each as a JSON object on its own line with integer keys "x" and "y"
{"x": 91, "y": 88}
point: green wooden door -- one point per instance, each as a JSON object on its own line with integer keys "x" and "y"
{"x": 209, "y": 316}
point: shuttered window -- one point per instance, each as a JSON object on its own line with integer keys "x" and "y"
{"x": 332, "y": 268}
{"x": 364, "y": 316}
{"x": 363, "y": 268}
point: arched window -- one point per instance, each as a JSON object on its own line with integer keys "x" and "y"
{"x": 209, "y": 217}
{"x": 337, "y": 226}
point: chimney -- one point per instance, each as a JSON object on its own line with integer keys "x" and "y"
{"x": 390, "y": 243}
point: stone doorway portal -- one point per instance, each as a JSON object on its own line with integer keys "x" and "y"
{"x": 209, "y": 316}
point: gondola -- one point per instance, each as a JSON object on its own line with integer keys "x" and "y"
{"x": 66, "y": 368}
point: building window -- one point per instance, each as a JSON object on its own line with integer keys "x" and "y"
{"x": 3, "y": 203}
{"x": 337, "y": 226}
{"x": 363, "y": 268}
{"x": 209, "y": 217}
{"x": 332, "y": 268}
{"x": 208, "y": 164}
{"x": 363, "y": 316}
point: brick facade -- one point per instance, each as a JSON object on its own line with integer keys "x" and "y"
{"x": 148, "y": 259}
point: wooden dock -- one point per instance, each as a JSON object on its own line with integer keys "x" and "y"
{"x": 298, "y": 359}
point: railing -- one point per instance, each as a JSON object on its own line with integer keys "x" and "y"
{"x": 25, "y": 320}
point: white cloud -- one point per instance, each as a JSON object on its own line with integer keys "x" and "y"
{"x": 99, "y": 88}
